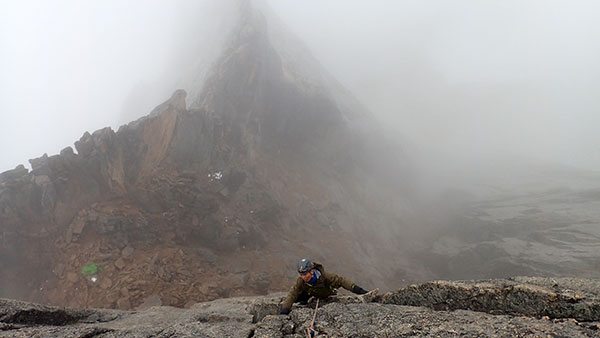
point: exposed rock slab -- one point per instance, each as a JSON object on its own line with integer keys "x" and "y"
{"x": 341, "y": 316}
{"x": 536, "y": 297}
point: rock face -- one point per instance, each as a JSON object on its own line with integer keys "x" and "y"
{"x": 535, "y": 297}
{"x": 219, "y": 198}
{"x": 339, "y": 316}
{"x": 218, "y": 193}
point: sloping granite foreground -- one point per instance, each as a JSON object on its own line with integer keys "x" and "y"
{"x": 518, "y": 307}
{"x": 529, "y": 296}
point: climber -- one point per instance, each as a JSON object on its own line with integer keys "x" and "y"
{"x": 315, "y": 281}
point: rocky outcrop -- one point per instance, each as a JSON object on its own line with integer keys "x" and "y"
{"x": 38, "y": 207}
{"x": 338, "y": 316}
{"x": 534, "y": 297}
{"x": 215, "y": 199}
{"x": 271, "y": 160}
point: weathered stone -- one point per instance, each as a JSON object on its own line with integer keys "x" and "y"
{"x": 123, "y": 303}
{"x": 85, "y": 145}
{"x": 341, "y": 316}
{"x": 92, "y": 216}
{"x": 77, "y": 226}
{"x": 120, "y": 263}
{"x": 503, "y": 297}
{"x": 69, "y": 235}
{"x": 59, "y": 269}
{"x": 68, "y": 151}
{"x": 72, "y": 277}
{"x": 128, "y": 251}
{"x": 149, "y": 302}
{"x": 38, "y": 163}
{"x": 105, "y": 283}
{"x": 112, "y": 297}
{"x": 14, "y": 174}
{"x": 125, "y": 292}
{"x": 42, "y": 179}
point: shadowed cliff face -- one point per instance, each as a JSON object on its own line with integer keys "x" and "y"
{"x": 218, "y": 199}
{"x": 250, "y": 92}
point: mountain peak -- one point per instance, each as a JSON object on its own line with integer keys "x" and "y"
{"x": 250, "y": 89}
{"x": 271, "y": 160}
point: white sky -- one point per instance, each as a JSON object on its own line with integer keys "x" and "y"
{"x": 69, "y": 66}
{"x": 462, "y": 79}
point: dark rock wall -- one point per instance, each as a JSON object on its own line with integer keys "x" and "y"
{"x": 37, "y": 206}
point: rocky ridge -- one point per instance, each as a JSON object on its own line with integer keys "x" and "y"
{"x": 208, "y": 199}
{"x": 522, "y": 306}
{"x": 218, "y": 195}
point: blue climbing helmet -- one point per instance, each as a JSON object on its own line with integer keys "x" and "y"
{"x": 305, "y": 265}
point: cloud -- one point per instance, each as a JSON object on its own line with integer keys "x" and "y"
{"x": 461, "y": 79}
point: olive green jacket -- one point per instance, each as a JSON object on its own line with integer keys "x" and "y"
{"x": 324, "y": 286}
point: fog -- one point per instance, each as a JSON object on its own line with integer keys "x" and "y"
{"x": 70, "y": 66}
{"x": 495, "y": 105}
{"x": 463, "y": 84}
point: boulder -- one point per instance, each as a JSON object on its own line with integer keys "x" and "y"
{"x": 149, "y": 302}
{"x": 123, "y": 303}
{"x": 105, "y": 283}
{"x": 14, "y": 174}
{"x": 72, "y": 277}
{"x": 120, "y": 263}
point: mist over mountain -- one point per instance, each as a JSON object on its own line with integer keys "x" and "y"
{"x": 461, "y": 80}
{"x": 258, "y": 142}
{"x": 270, "y": 160}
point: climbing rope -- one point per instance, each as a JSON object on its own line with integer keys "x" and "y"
{"x": 309, "y": 330}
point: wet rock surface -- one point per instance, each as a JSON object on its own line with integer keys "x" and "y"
{"x": 338, "y": 316}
